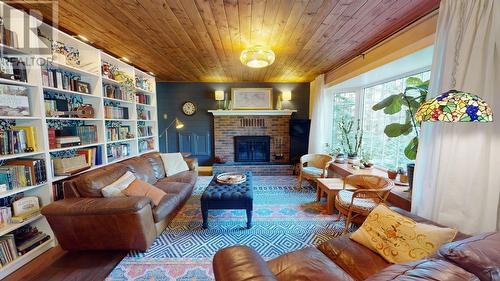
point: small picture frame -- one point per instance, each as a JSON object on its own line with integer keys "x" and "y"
{"x": 124, "y": 132}
{"x": 252, "y": 98}
{"x": 82, "y": 87}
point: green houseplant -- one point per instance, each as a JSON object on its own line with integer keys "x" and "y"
{"x": 409, "y": 100}
{"x": 351, "y": 140}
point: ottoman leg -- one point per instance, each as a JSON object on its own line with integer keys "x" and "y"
{"x": 249, "y": 218}
{"x": 204, "y": 214}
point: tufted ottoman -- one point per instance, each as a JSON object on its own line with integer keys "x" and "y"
{"x": 228, "y": 196}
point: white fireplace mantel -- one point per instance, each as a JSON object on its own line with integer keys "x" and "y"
{"x": 252, "y": 112}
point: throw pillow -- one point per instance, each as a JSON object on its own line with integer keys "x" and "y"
{"x": 399, "y": 239}
{"x": 115, "y": 189}
{"x": 173, "y": 163}
{"x": 142, "y": 188}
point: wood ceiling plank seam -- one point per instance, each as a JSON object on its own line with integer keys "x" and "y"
{"x": 314, "y": 14}
{"x": 119, "y": 10}
{"x": 270, "y": 19}
{"x": 358, "y": 27}
{"x": 208, "y": 19}
{"x": 258, "y": 10}
{"x": 232, "y": 17}
{"x": 328, "y": 39}
{"x": 398, "y": 25}
{"x": 245, "y": 17}
{"x": 292, "y": 21}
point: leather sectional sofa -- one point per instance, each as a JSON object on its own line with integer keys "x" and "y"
{"x": 468, "y": 258}
{"x": 85, "y": 220}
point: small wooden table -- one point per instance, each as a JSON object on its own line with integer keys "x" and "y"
{"x": 331, "y": 187}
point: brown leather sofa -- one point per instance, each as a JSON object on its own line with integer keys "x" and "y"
{"x": 468, "y": 258}
{"x": 85, "y": 220}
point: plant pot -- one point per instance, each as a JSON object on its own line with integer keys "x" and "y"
{"x": 353, "y": 159}
{"x": 403, "y": 178}
{"x": 410, "y": 168}
{"x": 392, "y": 174}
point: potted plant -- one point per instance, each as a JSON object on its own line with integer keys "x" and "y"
{"x": 351, "y": 141}
{"x": 335, "y": 152}
{"x": 392, "y": 174}
{"x": 366, "y": 160}
{"x": 409, "y": 100}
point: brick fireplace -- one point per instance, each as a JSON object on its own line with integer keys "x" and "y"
{"x": 228, "y": 125}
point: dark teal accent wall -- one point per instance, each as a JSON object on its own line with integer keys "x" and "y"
{"x": 171, "y": 96}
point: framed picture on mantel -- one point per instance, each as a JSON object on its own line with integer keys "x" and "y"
{"x": 252, "y": 98}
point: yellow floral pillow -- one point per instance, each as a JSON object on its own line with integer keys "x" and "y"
{"x": 399, "y": 239}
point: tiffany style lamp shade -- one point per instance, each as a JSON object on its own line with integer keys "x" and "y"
{"x": 455, "y": 106}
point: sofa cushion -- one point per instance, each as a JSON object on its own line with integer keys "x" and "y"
{"x": 141, "y": 168}
{"x": 306, "y": 264}
{"x": 156, "y": 164}
{"x": 115, "y": 189}
{"x": 183, "y": 189}
{"x": 344, "y": 199}
{"x": 167, "y": 206}
{"x": 173, "y": 163}
{"x": 478, "y": 254}
{"x": 141, "y": 188}
{"x": 428, "y": 269}
{"x": 399, "y": 239}
{"x": 349, "y": 255}
{"x": 185, "y": 177}
{"x": 90, "y": 184}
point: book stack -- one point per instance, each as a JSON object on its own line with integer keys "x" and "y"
{"x": 116, "y": 151}
{"x": 145, "y": 131}
{"x": 18, "y": 139}
{"x": 115, "y": 92}
{"x": 27, "y": 238}
{"x": 93, "y": 155}
{"x": 115, "y": 112}
{"x": 22, "y": 172}
{"x": 142, "y": 98}
{"x": 56, "y": 78}
{"x": 67, "y": 141}
{"x": 8, "y": 249}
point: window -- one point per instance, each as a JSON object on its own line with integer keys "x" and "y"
{"x": 386, "y": 152}
{"x": 344, "y": 106}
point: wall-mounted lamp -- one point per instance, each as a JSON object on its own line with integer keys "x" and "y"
{"x": 219, "y": 96}
{"x": 286, "y": 95}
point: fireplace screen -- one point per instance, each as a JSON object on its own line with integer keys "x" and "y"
{"x": 252, "y": 148}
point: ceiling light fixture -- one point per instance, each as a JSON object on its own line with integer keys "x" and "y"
{"x": 83, "y": 38}
{"x": 151, "y": 73}
{"x": 257, "y": 56}
{"x": 125, "y": 59}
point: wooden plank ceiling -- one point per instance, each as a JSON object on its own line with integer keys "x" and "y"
{"x": 201, "y": 40}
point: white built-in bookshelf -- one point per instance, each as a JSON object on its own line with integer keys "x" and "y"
{"x": 142, "y": 137}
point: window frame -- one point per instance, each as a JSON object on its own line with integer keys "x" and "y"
{"x": 360, "y": 95}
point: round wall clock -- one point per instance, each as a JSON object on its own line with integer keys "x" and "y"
{"x": 189, "y": 108}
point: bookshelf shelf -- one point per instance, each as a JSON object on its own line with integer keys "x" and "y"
{"x": 57, "y": 90}
{"x": 20, "y": 189}
{"x": 24, "y": 259}
{"x": 19, "y": 155}
{"x": 76, "y": 147}
{"x": 38, "y": 124}
{"x": 13, "y": 226}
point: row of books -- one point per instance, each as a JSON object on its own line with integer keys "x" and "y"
{"x": 146, "y": 145}
{"x": 116, "y": 151}
{"x": 58, "y": 190}
{"x": 115, "y": 112}
{"x": 93, "y": 155}
{"x": 142, "y": 98}
{"x": 117, "y": 133}
{"x": 143, "y": 114}
{"x": 27, "y": 238}
{"x": 8, "y": 249}
{"x": 144, "y": 84}
{"x": 64, "y": 80}
{"x": 115, "y": 92}
{"x": 19, "y": 139}
{"x": 86, "y": 134}
{"x": 145, "y": 131}
{"x": 22, "y": 172}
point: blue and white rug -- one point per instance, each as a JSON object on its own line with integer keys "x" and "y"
{"x": 284, "y": 220}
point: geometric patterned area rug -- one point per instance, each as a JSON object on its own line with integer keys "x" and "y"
{"x": 284, "y": 220}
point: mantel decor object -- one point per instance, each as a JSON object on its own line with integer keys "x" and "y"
{"x": 252, "y": 98}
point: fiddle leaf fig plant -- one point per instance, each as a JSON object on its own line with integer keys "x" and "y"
{"x": 409, "y": 100}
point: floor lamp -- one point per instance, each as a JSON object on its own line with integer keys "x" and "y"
{"x": 178, "y": 125}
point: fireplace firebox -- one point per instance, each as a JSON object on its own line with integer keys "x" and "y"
{"x": 252, "y": 148}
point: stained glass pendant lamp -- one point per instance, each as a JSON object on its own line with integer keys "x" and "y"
{"x": 455, "y": 106}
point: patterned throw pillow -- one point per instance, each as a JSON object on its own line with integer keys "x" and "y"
{"x": 399, "y": 239}
{"x": 115, "y": 189}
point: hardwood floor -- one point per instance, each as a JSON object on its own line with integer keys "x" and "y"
{"x": 57, "y": 264}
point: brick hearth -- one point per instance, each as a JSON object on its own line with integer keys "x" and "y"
{"x": 227, "y": 127}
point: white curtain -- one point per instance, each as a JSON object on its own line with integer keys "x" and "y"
{"x": 319, "y": 134}
{"x": 457, "y": 174}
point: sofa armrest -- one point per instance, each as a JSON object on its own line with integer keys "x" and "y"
{"x": 192, "y": 163}
{"x": 120, "y": 223}
{"x": 240, "y": 263}
{"x": 96, "y": 206}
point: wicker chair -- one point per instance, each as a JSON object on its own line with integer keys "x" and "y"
{"x": 356, "y": 205}
{"x": 317, "y": 167}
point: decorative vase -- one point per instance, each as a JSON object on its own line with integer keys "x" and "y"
{"x": 353, "y": 159}
{"x": 340, "y": 158}
{"x": 410, "y": 169}
{"x": 392, "y": 174}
